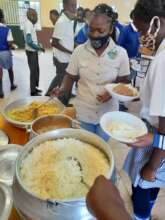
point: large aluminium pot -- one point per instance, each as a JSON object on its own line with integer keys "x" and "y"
{"x": 30, "y": 206}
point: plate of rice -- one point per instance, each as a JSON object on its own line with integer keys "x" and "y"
{"x": 122, "y": 126}
{"x": 122, "y": 92}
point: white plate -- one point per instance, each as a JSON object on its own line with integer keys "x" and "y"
{"x": 122, "y": 98}
{"x": 122, "y": 117}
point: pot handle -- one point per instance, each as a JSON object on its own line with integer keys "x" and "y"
{"x": 28, "y": 128}
{"x": 54, "y": 204}
{"x": 55, "y": 207}
{"x": 76, "y": 124}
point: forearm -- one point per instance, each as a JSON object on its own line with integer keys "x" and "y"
{"x": 66, "y": 88}
{"x": 31, "y": 43}
{"x": 123, "y": 79}
{"x": 158, "y": 154}
{"x": 109, "y": 215}
{"x": 156, "y": 159}
{"x": 58, "y": 46}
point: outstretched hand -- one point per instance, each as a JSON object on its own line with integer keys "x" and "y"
{"x": 105, "y": 202}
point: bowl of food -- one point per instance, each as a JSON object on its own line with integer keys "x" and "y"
{"x": 20, "y": 113}
{"x": 54, "y": 173}
{"x": 52, "y": 122}
{"x": 123, "y": 126}
{"x": 122, "y": 92}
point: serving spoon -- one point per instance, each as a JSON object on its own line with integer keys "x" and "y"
{"x": 81, "y": 170}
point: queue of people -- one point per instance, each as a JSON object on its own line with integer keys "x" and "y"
{"x": 93, "y": 51}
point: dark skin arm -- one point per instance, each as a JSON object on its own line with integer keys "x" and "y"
{"x": 105, "y": 96}
{"x": 123, "y": 79}
{"x": 64, "y": 92}
{"x": 157, "y": 156}
{"x": 56, "y": 44}
{"x": 105, "y": 202}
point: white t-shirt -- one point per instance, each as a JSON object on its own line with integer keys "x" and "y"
{"x": 153, "y": 96}
{"x": 95, "y": 72}
{"x": 63, "y": 31}
{"x": 9, "y": 35}
{"x": 29, "y": 28}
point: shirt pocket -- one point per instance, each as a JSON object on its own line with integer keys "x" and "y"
{"x": 87, "y": 70}
{"x": 110, "y": 69}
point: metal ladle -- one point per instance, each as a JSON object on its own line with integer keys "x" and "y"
{"x": 35, "y": 110}
{"x": 81, "y": 169}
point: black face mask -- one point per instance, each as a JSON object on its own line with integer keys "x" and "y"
{"x": 99, "y": 42}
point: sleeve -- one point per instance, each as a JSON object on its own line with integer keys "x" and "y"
{"x": 156, "y": 80}
{"x": 81, "y": 37}
{"x": 159, "y": 141}
{"x": 58, "y": 30}
{"x": 30, "y": 42}
{"x": 27, "y": 28}
{"x": 9, "y": 36}
{"x": 121, "y": 39}
{"x": 73, "y": 67}
{"x": 124, "y": 68}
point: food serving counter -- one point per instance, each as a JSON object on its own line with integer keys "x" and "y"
{"x": 21, "y": 137}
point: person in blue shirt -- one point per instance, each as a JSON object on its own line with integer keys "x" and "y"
{"x": 6, "y": 40}
{"x": 82, "y": 35}
{"x": 129, "y": 39}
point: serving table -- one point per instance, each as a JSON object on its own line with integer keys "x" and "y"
{"x": 21, "y": 137}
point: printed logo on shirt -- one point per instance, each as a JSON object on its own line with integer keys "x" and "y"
{"x": 112, "y": 54}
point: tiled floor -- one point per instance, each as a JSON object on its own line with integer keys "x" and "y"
{"x": 47, "y": 73}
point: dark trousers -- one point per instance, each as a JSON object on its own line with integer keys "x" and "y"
{"x": 143, "y": 201}
{"x": 32, "y": 58}
{"x": 60, "y": 73}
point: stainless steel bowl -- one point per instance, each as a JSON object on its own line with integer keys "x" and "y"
{"x": 6, "y": 201}
{"x": 35, "y": 208}
{"x": 22, "y": 102}
{"x": 52, "y": 122}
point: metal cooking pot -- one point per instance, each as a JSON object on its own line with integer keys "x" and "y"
{"x": 32, "y": 207}
{"x": 23, "y": 102}
{"x": 50, "y": 123}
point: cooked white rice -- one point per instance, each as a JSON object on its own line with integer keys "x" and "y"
{"x": 49, "y": 174}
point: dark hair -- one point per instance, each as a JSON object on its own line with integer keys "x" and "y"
{"x": 80, "y": 9}
{"x": 54, "y": 12}
{"x": 145, "y": 10}
{"x": 106, "y": 10}
{"x": 65, "y": 2}
{"x": 131, "y": 15}
{"x": 1, "y": 15}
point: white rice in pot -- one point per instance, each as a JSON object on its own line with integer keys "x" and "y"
{"x": 48, "y": 173}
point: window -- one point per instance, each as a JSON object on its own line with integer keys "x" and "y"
{"x": 23, "y": 7}
{"x": 10, "y": 9}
